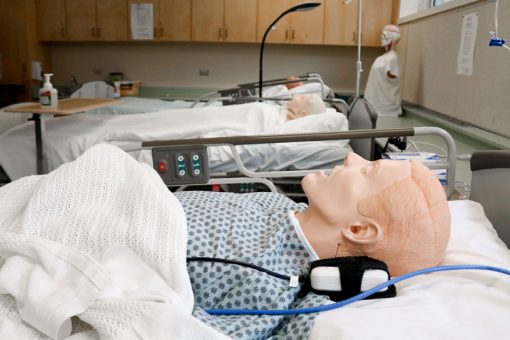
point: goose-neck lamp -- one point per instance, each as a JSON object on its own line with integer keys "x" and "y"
{"x": 307, "y": 6}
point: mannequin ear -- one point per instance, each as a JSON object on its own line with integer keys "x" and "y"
{"x": 363, "y": 233}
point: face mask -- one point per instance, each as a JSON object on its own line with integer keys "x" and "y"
{"x": 387, "y": 37}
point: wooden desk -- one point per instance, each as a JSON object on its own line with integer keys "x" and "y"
{"x": 65, "y": 107}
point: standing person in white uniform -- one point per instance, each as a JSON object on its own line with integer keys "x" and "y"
{"x": 383, "y": 85}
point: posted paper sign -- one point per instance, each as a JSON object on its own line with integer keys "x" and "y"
{"x": 467, "y": 44}
{"x": 142, "y": 21}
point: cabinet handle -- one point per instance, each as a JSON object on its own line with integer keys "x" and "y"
{"x": 93, "y": 31}
{"x": 226, "y": 33}
{"x": 98, "y": 30}
{"x": 161, "y": 31}
{"x": 220, "y": 33}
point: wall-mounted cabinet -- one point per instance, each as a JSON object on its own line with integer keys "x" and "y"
{"x": 171, "y": 19}
{"x": 19, "y": 46}
{"x": 332, "y": 23}
{"x": 375, "y": 15}
{"x": 294, "y": 28}
{"x": 341, "y": 23}
{"x": 82, "y": 20}
{"x": 51, "y": 20}
{"x": 224, "y": 20}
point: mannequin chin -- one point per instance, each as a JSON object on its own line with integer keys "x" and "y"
{"x": 394, "y": 211}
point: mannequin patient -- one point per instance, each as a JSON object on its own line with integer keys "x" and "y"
{"x": 393, "y": 211}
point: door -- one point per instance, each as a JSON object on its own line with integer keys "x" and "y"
{"x": 240, "y": 21}
{"x": 175, "y": 20}
{"x": 51, "y": 20}
{"x": 81, "y": 20}
{"x": 376, "y": 14}
{"x": 307, "y": 27}
{"x": 341, "y": 23}
{"x": 112, "y": 20}
{"x": 207, "y": 20}
{"x": 268, "y": 11}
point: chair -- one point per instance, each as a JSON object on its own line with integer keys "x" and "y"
{"x": 94, "y": 89}
{"x": 490, "y": 186}
{"x": 362, "y": 115}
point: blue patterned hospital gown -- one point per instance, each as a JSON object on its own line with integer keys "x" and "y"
{"x": 255, "y": 228}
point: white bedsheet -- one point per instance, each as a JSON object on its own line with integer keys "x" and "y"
{"x": 65, "y": 138}
{"x": 448, "y": 305}
{"x": 75, "y": 242}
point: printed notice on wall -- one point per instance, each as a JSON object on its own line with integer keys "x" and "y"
{"x": 467, "y": 44}
{"x": 142, "y": 21}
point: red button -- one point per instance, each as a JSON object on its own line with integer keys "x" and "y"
{"x": 162, "y": 166}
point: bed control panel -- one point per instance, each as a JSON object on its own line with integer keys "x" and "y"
{"x": 180, "y": 165}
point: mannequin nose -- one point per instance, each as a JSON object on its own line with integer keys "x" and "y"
{"x": 353, "y": 159}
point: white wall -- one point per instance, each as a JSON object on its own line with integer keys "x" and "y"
{"x": 430, "y": 48}
{"x": 178, "y": 64}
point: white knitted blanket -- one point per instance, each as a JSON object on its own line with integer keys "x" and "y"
{"x": 95, "y": 249}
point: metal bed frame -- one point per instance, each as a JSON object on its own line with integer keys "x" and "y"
{"x": 248, "y": 92}
{"x": 265, "y": 177}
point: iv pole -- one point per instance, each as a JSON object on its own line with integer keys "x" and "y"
{"x": 359, "y": 65}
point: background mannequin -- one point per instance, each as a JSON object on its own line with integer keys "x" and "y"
{"x": 383, "y": 85}
{"x": 305, "y": 104}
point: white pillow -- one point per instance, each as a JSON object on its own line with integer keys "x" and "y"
{"x": 329, "y": 121}
{"x": 309, "y": 88}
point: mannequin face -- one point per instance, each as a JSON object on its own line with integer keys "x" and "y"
{"x": 335, "y": 197}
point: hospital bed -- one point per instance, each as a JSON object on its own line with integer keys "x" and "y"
{"x": 444, "y": 305}
{"x": 79, "y": 132}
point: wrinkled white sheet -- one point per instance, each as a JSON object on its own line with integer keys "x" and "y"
{"x": 102, "y": 239}
{"x": 65, "y": 138}
{"x": 448, "y": 305}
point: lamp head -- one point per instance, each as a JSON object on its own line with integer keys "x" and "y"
{"x": 307, "y": 6}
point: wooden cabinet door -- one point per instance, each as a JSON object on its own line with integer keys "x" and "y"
{"x": 81, "y": 20}
{"x": 207, "y": 20}
{"x": 155, "y": 16}
{"x": 268, "y": 11}
{"x": 175, "y": 20}
{"x": 307, "y": 27}
{"x": 13, "y": 46}
{"x": 341, "y": 23}
{"x": 375, "y": 15}
{"x": 112, "y": 20}
{"x": 51, "y": 20}
{"x": 240, "y": 21}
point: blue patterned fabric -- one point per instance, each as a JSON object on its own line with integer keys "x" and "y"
{"x": 254, "y": 228}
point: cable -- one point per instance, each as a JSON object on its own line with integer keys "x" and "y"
{"x": 357, "y": 297}
{"x": 243, "y": 264}
{"x": 413, "y": 143}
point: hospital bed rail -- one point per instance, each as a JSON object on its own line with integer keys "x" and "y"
{"x": 249, "y": 91}
{"x": 263, "y": 176}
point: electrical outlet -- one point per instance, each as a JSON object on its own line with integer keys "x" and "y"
{"x": 97, "y": 71}
{"x": 203, "y": 72}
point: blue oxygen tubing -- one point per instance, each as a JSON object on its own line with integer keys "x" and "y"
{"x": 358, "y": 297}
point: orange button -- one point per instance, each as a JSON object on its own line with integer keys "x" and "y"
{"x": 162, "y": 166}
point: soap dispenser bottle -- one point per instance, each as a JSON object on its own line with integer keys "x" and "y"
{"x": 48, "y": 96}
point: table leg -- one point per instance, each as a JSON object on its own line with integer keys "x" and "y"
{"x": 41, "y": 161}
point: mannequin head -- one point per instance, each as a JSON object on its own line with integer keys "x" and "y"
{"x": 294, "y": 82}
{"x": 305, "y": 104}
{"x": 394, "y": 211}
{"x": 390, "y": 37}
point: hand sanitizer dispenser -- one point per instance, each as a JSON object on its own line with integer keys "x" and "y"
{"x": 48, "y": 96}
